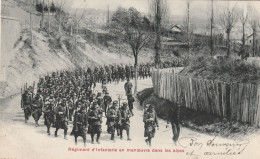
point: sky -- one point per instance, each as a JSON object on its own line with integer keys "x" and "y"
{"x": 176, "y": 7}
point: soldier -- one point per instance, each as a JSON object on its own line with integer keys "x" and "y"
{"x": 26, "y": 105}
{"x": 132, "y": 72}
{"x": 70, "y": 106}
{"x": 131, "y": 101}
{"x": 106, "y": 100}
{"x": 48, "y": 114}
{"x": 37, "y": 105}
{"x": 127, "y": 71}
{"x": 99, "y": 100}
{"x": 151, "y": 121}
{"x": 61, "y": 119}
{"x": 124, "y": 122}
{"x": 80, "y": 124}
{"x": 95, "y": 121}
{"x": 117, "y": 109}
{"x": 112, "y": 116}
{"x": 174, "y": 118}
{"x": 128, "y": 88}
{"x": 140, "y": 71}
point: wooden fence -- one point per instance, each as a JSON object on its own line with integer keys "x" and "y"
{"x": 235, "y": 101}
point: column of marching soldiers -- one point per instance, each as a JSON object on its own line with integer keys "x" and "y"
{"x": 70, "y": 96}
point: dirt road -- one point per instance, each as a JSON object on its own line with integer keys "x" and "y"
{"x": 24, "y": 140}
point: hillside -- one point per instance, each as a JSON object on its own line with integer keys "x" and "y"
{"x": 47, "y": 54}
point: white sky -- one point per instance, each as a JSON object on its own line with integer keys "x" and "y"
{"x": 176, "y": 7}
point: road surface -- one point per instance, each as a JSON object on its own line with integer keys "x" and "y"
{"x": 24, "y": 140}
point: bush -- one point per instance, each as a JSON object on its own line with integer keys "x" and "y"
{"x": 223, "y": 69}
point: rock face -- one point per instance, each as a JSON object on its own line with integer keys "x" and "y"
{"x": 10, "y": 33}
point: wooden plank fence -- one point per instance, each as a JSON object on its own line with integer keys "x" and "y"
{"x": 234, "y": 101}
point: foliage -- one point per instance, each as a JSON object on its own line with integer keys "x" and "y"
{"x": 133, "y": 27}
{"x": 222, "y": 68}
{"x": 44, "y": 8}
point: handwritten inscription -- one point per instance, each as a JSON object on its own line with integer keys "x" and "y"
{"x": 196, "y": 148}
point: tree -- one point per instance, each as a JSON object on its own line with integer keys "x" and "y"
{"x": 227, "y": 19}
{"x": 211, "y": 28}
{"x": 254, "y": 23}
{"x": 243, "y": 19}
{"x": 77, "y": 19}
{"x": 159, "y": 10}
{"x": 130, "y": 24}
{"x": 49, "y": 23}
{"x": 60, "y": 6}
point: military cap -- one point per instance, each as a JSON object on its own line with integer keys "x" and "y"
{"x": 115, "y": 102}
{"x": 147, "y": 105}
{"x": 152, "y": 106}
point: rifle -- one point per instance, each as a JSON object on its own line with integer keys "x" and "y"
{"x": 21, "y": 97}
{"x": 33, "y": 89}
{"x": 119, "y": 98}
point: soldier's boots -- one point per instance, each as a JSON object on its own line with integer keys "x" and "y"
{"x": 128, "y": 138}
{"x": 36, "y": 124}
{"x": 55, "y": 134}
{"x": 48, "y": 132}
{"x": 112, "y": 137}
{"x": 146, "y": 141}
{"x": 118, "y": 133}
{"x": 98, "y": 141}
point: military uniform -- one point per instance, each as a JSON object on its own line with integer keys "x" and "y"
{"x": 107, "y": 100}
{"x": 95, "y": 120}
{"x": 26, "y": 104}
{"x": 128, "y": 88}
{"x": 151, "y": 122}
{"x": 131, "y": 101}
{"x": 61, "y": 119}
{"x": 125, "y": 115}
{"x": 48, "y": 114}
{"x": 112, "y": 116}
{"x": 37, "y": 105}
{"x": 80, "y": 124}
{"x": 174, "y": 118}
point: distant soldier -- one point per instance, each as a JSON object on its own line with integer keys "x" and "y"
{"x": 145, "y": 71}
{"x": 140, "y": 71}
{"x": 128, "y": 72}
{"x": 132, "y": 72}
{"x": 174, "y": 118}
{"x": 109, "y": 74}
{"x": 124, "y": 122}
{"x": 95, "y": 121}
{"x": 61, "y": 119}
{"x": 151, "y": 121}
{"x": 107, "y": 100}
{"x": 112, "y": 116}
{"x": 26, "y": 105}
{"x": 80, "y": 124}
{"x": 37, "y": 105}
